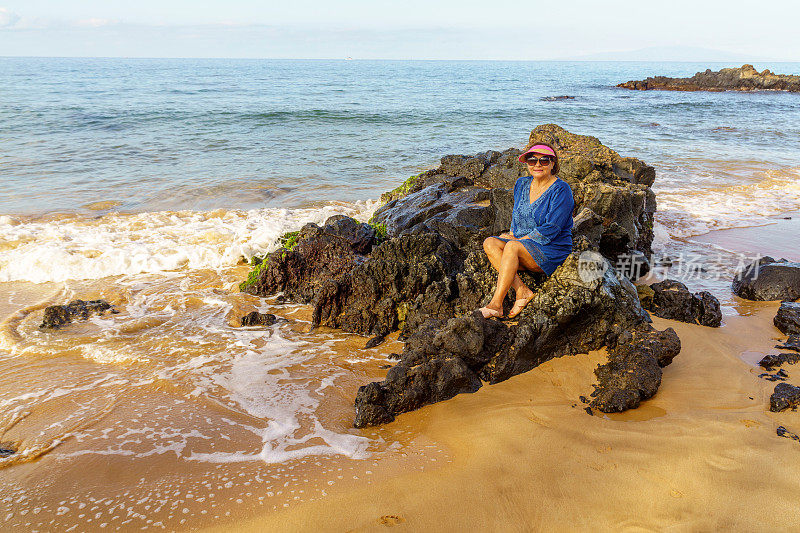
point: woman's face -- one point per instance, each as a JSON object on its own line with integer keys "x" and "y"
{"x": 536, "y": 169}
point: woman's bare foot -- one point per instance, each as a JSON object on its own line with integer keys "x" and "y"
{"x": 489, "y": 312}
{"x": 524, "y": 296}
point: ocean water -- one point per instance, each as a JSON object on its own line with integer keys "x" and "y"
{"x": 145, "y": 182}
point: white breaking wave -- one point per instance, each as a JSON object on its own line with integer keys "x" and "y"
{"x": 686, "y": 210}
{"x": 125, "y": 244}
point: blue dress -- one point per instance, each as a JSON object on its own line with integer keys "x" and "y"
{"x": 547, "y": 221}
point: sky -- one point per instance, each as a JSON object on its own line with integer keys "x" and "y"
{"x": 681, "y": 30}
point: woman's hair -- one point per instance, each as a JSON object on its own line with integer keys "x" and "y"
{"x": 556, "y": 166}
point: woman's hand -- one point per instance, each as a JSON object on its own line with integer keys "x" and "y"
{"x": 507, "y": 235}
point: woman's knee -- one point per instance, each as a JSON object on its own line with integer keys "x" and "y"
{"x": 491, "y": 244}
{"x": 513, "y": 247}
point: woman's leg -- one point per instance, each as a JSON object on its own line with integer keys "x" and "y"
{"x": 494, "y": 251}
{"x": 513, "y": 256}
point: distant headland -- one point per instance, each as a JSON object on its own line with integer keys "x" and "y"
{"x": 746, "y": 78}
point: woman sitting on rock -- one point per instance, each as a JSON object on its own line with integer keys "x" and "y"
{"x": 540, "y": 238}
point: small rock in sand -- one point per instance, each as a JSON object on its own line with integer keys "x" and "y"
{"x": 788, "y": 318}
{"x": 784, "y": 397}
{"x": 773, "y": 360}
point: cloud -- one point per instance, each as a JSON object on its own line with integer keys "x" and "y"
{"x": 7, "y": 18}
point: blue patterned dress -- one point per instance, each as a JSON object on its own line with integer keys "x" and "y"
{"x": 547, "y": 221}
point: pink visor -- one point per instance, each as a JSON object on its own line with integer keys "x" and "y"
{"x": 537, "y": 149}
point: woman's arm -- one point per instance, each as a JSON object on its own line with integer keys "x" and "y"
{"x": 556, "y": 218}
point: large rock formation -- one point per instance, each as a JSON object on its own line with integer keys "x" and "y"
{"x": 568, "y": 315}
{"x": 431, "y": 274}
{"x": 746, "y": 78}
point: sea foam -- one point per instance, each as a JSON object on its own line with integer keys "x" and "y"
{"x": 125, "y": 244}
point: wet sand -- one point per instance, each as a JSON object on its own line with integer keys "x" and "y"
{"x": 777, "y": 238}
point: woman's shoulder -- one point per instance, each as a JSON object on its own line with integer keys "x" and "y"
{"x": 563, "y": 186}
{"x": 564, "y": 190}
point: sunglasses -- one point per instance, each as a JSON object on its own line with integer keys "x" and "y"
{"x": 544, "y": 160}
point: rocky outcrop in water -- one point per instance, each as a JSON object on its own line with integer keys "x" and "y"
{"x": 671, "y": 299}
{"x": 430, "y": 275}
{"x": 768, "y": 279}
{"x": 787, "y": 319}
{"x": 56, "y": 316}
{"x": 745, "y": 78}
{"x": 254, "y": 318}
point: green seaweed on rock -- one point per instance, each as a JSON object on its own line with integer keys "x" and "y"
{"x": 400, "y": 191}
{"x": 287, "y": 241}
{"x": 381, "y": 233}
{"x": 252, "y": 277}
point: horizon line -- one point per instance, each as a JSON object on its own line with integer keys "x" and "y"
{"x": 563, "y": 60}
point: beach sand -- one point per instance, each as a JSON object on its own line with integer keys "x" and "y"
{"x": 702, "y": 454}
{"x": 521, "y": 455}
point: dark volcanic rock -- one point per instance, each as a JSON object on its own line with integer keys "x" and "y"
{"x": 780, "y": 375}
{"x": 746, "y": 78}
{"x": 56, "y": 316}
{"x": 258, "y": 319}
{"x": 671, "y": 299}
{"x": 772, "y": 360}
{"x": 788, "y": 318}
{"x": 792, "y": 343}
{"x": 768, "y": 279}
{"x": 359, "y": 235}
{"x": 633, "y": 371}
{"x": 319, "y": 256}
{"x": 784, "y": 397}
{"x": 452, "y": 208}
{"x": 404, "y": 279}
{"x": 374, "y": 341}
{"x": 783, "y": 432}
{"x": 567, "y": 316}
{"x": 431, "y": 274}
{"x": 7, "y": 450}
